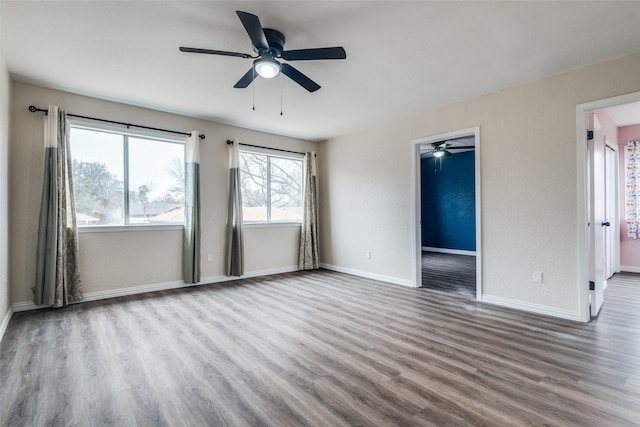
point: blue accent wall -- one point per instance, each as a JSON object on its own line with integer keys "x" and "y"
{"x": 448, "y": 202}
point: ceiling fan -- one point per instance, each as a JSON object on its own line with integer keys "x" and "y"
{"x": 444, "y": 148}
{"x": 268, "y": 44}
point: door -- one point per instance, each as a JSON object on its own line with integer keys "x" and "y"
{"x": 597, "y": 222}
{"x": 611, "y": 199}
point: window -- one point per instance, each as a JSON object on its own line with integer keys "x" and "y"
{"x": 271, "y": 188}
{"x": 122, "y": 179}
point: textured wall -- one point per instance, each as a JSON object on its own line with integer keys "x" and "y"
{"x": 448, "y": 202}
{"x": 119, "y": 260}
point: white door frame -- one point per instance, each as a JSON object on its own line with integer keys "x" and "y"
{"x": 582, "y": 183}
{"x": 615, "y": 226}
{"x": 417, "y": 208}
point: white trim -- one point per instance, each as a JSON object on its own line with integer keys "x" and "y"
{"x": 112, "y": 293}
{"x": 581, "y": 177}
{"x": 416, "y": 208}
{"x": 448, "y": 251}
{"x": 142, "y": 289}
{"x": 615, "y": 226}
{"x": 128, "y": 228}
{"x": 5, "y": 322}
{"x": 532, "y": 308}
{"x": 368, "y": 275}
{"x": 258, "y": 273}
{"x": 275, "y": 224}
{"x": 26, "y": 306}
{"x": 629, "y": 269}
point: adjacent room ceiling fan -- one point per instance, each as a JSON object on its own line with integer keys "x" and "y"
{"x": 268, "y": 44}
{"x": 444, "y": 148}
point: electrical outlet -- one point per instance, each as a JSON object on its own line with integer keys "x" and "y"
{"x": 367, "y": 254}
{"x": 209, "y": 257}
{"x": 537, "y": 277}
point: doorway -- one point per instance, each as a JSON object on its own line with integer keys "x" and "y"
{"x": 447, "y": 212}
{"x": 601, "y": 217}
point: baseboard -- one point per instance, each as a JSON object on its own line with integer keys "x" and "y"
{"x": 26, "y": 306}
{"x": 134, "y": 290}
{"x": 142, "y": 289}
{"x": 448, "y": 251}
{"x": 5, "y": 322}
{"x": 368, "y": 275}
{"x": 532, "y": 308}
{"x": 268, "y": 272}
{"x": 629, "y": 269}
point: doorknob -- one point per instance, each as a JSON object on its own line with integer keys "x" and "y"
{"x": 606, "y": 224}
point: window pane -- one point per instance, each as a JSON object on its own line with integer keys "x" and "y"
{"x": 286, "y": 189}
{"x": 253, "y": 185}
{"x": 156, "y": 182}
{"x": 98, "y": 176}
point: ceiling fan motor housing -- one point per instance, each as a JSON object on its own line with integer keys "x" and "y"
{"x": 276, "y": 42}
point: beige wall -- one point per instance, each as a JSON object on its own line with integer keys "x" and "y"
{"x": 529, "y": 187}
{"x": 116, "y": 261}
{"x": 5, "y": 299}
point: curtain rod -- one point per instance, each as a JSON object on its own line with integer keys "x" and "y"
{"x": 230, "y": 142}
{"x": 34, "y": 109}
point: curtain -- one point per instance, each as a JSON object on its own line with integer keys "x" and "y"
{"x": 191, "y": 238}
{"x": 234, "y": 242}
{"x": 632, "y": 188}
{"x": 308, "y": 259}
{"x": 57, "y": 273}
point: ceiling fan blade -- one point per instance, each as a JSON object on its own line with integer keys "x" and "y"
{"x": 213, "y": 52}
{"x": 299, "y": 78}
{"x": 466, "y": 147}
{"x": 246, "y": 79}
{"x": 311, "y": 54}
{"x": 254, "y": 29}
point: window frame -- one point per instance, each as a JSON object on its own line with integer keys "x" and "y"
{"x": 269, "y": 153}
{"x": 126, "y": 134}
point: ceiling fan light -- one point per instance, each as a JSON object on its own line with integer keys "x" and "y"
{"x": 438, "y": 153}
{"x": 267, "y": 68}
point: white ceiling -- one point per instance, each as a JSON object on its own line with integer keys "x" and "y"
{"x": 625, "y": 114}
{"x": 403, "y": 58}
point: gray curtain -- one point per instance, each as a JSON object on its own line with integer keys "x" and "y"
{"x": 191, "y": 239}
{"x": 57, "y": 273}
{"x": 234, "y": 265}
{"x": 309, "y": 258}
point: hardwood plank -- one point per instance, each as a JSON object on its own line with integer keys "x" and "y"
{"x": 320, "y": 349}
{"x": 449, "y": 273}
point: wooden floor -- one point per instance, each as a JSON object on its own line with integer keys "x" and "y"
{"x": 449, "y": 272}
{"x": 320, "y": 349}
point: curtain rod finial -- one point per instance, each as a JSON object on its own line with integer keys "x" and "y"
{"x": 32, "y": 108}
{"x": 229, "y": 141}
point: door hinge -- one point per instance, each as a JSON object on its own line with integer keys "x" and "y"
{"x": 589, "y": 135}
{"x": 592, "y": 285}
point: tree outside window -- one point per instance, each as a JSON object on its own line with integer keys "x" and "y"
{"x": 271, "y": 188}
{"x": 122, "y": 180}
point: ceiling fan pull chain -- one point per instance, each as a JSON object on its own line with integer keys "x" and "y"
{"x": 253, "y": 89}
{"x": 281, "y": 94}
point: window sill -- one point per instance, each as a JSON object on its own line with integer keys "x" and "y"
{"x": 128, "y": 228}
{"x": 271, "y": 224}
